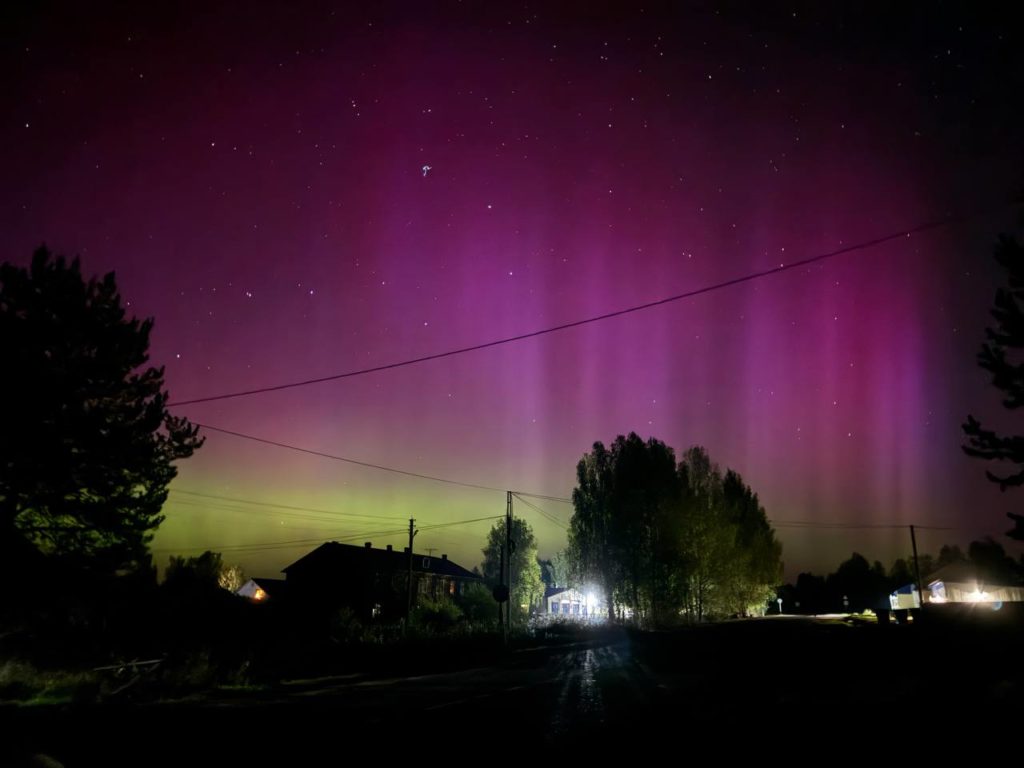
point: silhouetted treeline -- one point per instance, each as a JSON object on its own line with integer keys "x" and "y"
{"x": 857, "y": 585}
{"x": 997, "y": 356}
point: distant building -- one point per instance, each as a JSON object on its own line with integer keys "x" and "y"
{"x": 373, "y": 582}
{"x": 962, "y": 583}
{"x": 905, "y": 598}
{"x": 568, "y": 602}
{"x": 957, "y": 583}
{"x": 261, "y": 590}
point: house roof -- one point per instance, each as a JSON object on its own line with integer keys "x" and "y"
{"x": 332, "y": 554}
{"x": 962, "y": 573}
{"x": 270, "y": 586}
{"x": 906, "y": 589}
{"x": 552, "y": 591}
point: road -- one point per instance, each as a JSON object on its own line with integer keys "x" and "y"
{"x": 540, "y": 699}
{"x": 790, "y": 682}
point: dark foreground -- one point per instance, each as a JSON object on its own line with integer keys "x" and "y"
{"x": 756, "y": 686}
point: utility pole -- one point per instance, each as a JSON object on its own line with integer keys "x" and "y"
{"x": 408, "y": 607}
{"x": 508, "y": 560}
{"x": 917, "y": 568}
{"x": 501, "y": 602}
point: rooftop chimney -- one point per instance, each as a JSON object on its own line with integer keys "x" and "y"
{"x": 368, "y": 544}
{"x": 389, "y": 547}
{"x": 444, "y": 557}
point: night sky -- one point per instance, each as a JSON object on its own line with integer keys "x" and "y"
{"x": 255, "y": 176}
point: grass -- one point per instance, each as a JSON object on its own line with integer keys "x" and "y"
{"x": 23, "y": 684}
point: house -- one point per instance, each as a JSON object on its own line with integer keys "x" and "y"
{"x": 570, "y": 602}
{"x": 957, "y": 583}
{"x": 373, "y": 583}
{"x": 261, "y": 590}
{"x": 962, "y": 583}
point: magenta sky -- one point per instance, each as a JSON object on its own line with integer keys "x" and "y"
{"x": 255, "y": 179}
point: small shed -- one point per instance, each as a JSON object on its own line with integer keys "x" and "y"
{"x": 261, "y": 590}
{"x": 905, "y": 598}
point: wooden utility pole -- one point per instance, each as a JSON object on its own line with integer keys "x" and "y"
{"x": 501, "y": 602}
{"x": 508, "y": 561}
{"x": 408, "y": 607}
{"x": 917, "y": 567}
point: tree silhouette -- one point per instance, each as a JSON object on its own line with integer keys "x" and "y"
{"x": 527, "y": 587}
{"x": 857, "y": 584}
{"x": 665, "y": 539}
{"x": 201, "y": 571}
{"x": 87, "y": 444}
{"x": 624, "y": 535}
{"x": 1004, "y": 341}
{"x": 708, "y": 538}
{"x": 591, "y": 540}
{"x": 757, "y": 555}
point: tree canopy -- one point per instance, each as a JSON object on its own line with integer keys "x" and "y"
{"x": 1000, "y": 356}
{"x": 663, "y": 539}
{"x": 527, "y": 587}
{"x": 87, "y": 448}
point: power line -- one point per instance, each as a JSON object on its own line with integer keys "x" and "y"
{"x": 432, "y": 526}
{"x": 924, "y": 227}
{"x": 350, "y": 461}
{"x": 854, "y": 526}
{"x": 561, "y": 499}
{"x": 277, "y": 544}
{"x": 305, "y": 542}
{"x": 199, "y": 506}
{"x": 282, "y": 506}
{"x": 519, "y": 494}
{"x": 542, "y": 512}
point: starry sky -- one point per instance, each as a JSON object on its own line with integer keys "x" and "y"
{"x": 255, "y": 175}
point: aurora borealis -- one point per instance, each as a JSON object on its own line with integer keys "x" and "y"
{"x": 254, "y": 175}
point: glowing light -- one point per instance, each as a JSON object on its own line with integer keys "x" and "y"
{"x": 259, "y": 595}
{"x": 977, "y": 596}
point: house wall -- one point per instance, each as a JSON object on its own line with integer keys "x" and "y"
{"x": 959, "y": 592}
{"x": 370, "y": 589}
{"x": 573, "y": 604}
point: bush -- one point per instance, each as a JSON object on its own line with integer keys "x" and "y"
{"x": 21, "y": 681}
{"x": 345, "y": 627}
{"x": 436, "y": 618}
{"x": 478, "y": 604}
